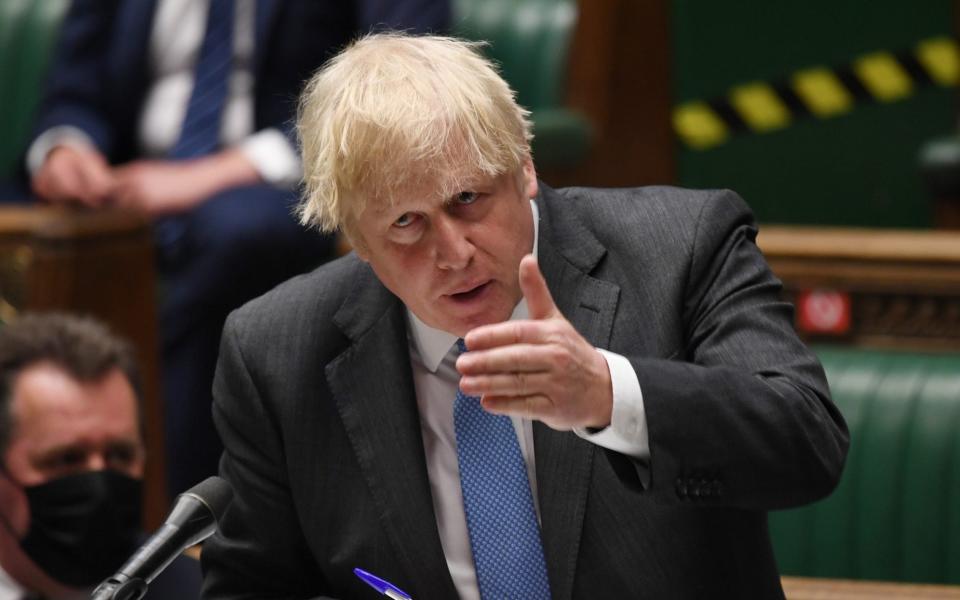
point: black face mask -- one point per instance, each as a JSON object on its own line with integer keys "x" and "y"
{"x": 84, "y": 526}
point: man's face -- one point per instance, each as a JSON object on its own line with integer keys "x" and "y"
{"x": 63, "y": 426}
{"x": 453, "y": 261}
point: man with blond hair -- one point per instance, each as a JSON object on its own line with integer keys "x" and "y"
{"x": 506, "y": 391}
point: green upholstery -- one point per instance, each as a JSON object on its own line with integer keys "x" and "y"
{"x": 530, "y": 40}
{"x": 28, "y": 31}
{"x": 896, "y": 513}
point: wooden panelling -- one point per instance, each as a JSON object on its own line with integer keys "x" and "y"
{"x": 619, "y": 77}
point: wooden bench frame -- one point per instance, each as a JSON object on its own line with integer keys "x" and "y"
{"x": 903, "y": 285}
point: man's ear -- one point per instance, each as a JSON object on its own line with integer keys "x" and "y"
{"x": 14, "y": 508}
{"x": 350, "y": 239}
{"x": 530, "y": 186}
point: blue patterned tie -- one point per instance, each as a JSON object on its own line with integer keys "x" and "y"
{"x": 504, "y": 534}
{"x": 200, "y": 133}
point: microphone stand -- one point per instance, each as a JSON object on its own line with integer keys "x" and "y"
{"x": 117, "y": 589}
{"x": 193, "y": 519}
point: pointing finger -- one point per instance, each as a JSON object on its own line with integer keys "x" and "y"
{"x": 506, "y": 384}
{"x": 509, "y": 332}
{"x": 509, "y": 359}
{"x": 527, "y": 407}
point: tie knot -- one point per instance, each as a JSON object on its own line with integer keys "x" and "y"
{"x": 461, "y": 346}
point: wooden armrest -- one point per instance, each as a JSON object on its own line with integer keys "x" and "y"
{"x": 901, "y": 288}
{"x": 812, "y": 588}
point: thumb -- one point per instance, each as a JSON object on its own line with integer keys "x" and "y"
{"x": 534, "y": 288}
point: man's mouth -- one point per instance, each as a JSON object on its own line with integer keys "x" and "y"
{"x": 469, "y": 294}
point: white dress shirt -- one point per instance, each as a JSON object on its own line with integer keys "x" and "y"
{"x": 9, "y": 588}
{"x": 178, "y": 30}
{"x": 433, "y": 355}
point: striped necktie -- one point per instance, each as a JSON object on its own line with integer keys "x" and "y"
{"x": 501, "y": 520}
{"x": 200, "y": 133}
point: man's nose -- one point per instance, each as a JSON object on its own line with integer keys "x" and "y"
{"x": 453, "y": 248}
{"x": 96, "y": 462}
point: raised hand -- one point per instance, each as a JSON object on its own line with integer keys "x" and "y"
{"x": 540, "y": 368}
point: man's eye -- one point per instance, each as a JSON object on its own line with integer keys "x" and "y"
{"x": 63, "y": 462}
{"x": 69, "y": 459}
{"x": 405, "y": 220}
{"x": 466, "y": 197}
{"x": 120, "y": 456}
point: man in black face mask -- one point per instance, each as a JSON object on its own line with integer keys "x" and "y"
{"x": 72, "y": 456}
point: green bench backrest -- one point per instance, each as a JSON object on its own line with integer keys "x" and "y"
{"x": 28, "y": 32}
{"x": 529, "y": 39}
{"x": 896, "y": 513}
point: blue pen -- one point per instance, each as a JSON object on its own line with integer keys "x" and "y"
{"x": 384, "y": 587}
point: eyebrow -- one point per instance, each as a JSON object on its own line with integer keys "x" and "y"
{"x": 50, "y": 454}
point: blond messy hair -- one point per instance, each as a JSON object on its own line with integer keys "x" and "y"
{"x": 394, "y": 110}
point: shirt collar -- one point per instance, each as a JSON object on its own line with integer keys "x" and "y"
{"x": 434, "y": 344}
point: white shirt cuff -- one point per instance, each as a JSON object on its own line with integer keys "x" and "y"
{"x": 273, "y": 157}
{"x": 627, "y": 432}
{"x": 61, "y": 135}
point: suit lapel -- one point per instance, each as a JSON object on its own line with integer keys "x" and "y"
{"x": 372, "y": 383}
{"x": 130, "y": 56}
{"x": 567, "y": 253}
{"x": 266, "y": 14}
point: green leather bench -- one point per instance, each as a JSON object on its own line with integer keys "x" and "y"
{"x": 896, "y": 513}
{"x": 28, "y": 32}
{"x": 530, "y": 40}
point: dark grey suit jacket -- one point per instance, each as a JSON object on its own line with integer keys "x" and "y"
{"x": 314, "y": 402}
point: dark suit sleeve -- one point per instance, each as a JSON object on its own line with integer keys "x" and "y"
{"x": 75, "y": 92}
{"x": 742, "y": 415}
{"x": 259, "y": 551}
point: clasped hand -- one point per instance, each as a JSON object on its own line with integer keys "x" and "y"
{"x": 78, "y": 175}
{"x": 540, "y": 368}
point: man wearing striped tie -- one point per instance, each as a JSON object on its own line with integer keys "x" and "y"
{"x": 506, "y": 391}
{"x": 182, "y": 109}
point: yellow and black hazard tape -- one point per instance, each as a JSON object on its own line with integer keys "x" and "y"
{"x": 818, "y": 92}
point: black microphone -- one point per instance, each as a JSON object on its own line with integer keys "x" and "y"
{"x": 193, "y": 519}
